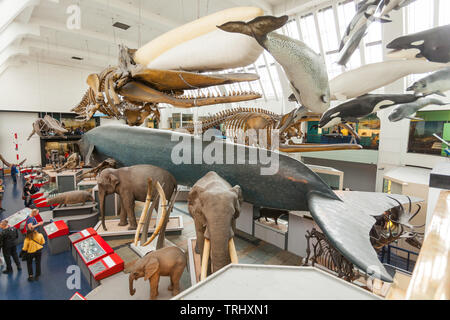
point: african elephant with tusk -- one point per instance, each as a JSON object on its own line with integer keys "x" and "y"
{"x": 215, "y": 204}
{"x": 170, "y": 261}
{"x": 131, "y": 184}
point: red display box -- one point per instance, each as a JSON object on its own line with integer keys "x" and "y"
{"x": 56, "y": 229}
{"x": 106, "y": 267}
{"x": 92, "y": 249}
{"x": 82, "y": 235}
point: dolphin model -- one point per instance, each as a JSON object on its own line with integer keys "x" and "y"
{"x": 360, "y": 19}
{"x": 432, "y": 44}
{"x": 359, "y": 108}
{"x": 352, "y": 44}
{"x": 346, "y": 218}
{"x": 435, "y": 83}
{"x": 305, "y": 69}
{"x": 405, "y": 111}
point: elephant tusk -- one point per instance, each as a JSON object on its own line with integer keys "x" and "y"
{"x": 144, "y": 212}
{"x": 205, "y": 259}
{"x": 233, "y": 253}
{"x": 163, "y": 216}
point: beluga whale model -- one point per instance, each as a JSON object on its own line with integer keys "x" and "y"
{"x": 346, "y": 218}
{"x": 305, "y": 69}
{"x": 432, "y": 44}
{"x": 359, "y": 108}
{"x": 435, "y": 83}
{"x": 406, "y": 110}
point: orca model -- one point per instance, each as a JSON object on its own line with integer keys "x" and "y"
{"x": 432, "y": 44}
{"x": 361, "y": 107}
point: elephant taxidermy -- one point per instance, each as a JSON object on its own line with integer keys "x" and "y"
{"x": 170, "y": 261}
{"x": 130, "y": 183}
{"x": 215, "y": 205}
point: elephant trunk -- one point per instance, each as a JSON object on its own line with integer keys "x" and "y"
{"x": 220, "y": 255}
{"x": 131, "y": 280}
{"x": 102, "y": 197}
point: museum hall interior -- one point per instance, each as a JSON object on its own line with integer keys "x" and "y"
{"x": 264, "y": 150}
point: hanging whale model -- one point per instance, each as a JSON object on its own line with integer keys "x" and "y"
{"x": 348, "y": 85}
{"x": 346, "y": 219}
{"x": 359, "y": 108}
{"x": 305, "y": 69}
{"x": 432, "y": 44}
{"x": 406, "y": 110}
{"x": 437, "y": 83}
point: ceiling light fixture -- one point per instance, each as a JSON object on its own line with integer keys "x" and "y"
{"x": 121, "y": 25}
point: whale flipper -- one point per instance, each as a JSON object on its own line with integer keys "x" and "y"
{"x": 347, "y": 224}
{"x": 258, "y": 28}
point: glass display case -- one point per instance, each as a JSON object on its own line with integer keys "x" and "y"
{"x": 90, "y": 249}
{"x": 421, "y": 133}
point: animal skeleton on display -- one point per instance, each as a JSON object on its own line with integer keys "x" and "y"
{"x": 395, "y": 224}
{"x": 93, "y": 173}
{"x": 237, "y": 122}
{"x": 326, "y": 255}
{"x": 133, "y": 92}
{"x": 46, "y": 126}
{"x": 6, "y": 163}
{"x": 72, "y": 162}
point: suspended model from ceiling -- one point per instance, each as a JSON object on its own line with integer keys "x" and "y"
{"x": 160, "y": 72}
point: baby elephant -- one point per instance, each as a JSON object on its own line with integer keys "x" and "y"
{"x": 169, "y": 261}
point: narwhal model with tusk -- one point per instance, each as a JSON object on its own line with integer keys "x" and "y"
{"x": 305, "y": 69}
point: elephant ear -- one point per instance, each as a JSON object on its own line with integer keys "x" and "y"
{"x": 238, "y": 202}
{"x": 151, "y": 268}
{"x": 129, "y": 266}
{"x": 114, "y": 181}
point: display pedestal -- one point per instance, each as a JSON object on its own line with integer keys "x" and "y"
{"x": 142, "y": 251}
{"x": 74, "y": 210}
{"x": 57, "y": 235}
{"x": 272, "y": 233}
{"x": 174, "y": 227}
{"x": 67, "y": 180}
{"x": 244, "y": 222}
{"x": 87, "y": 184}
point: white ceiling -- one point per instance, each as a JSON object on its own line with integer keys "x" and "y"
{"x": 38, "y": 27}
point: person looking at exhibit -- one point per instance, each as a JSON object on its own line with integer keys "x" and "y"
{"x": 31, "y": 222}
{"x": 27, "y": 194}
{"x": 32, "y": 250}
{"x": 9, "y": 236}
{"x": 2, "y": 191}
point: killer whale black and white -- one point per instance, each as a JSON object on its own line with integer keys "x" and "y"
{"x": 406, "y": 110}
{"x": 361, "y": 107}
{"x": 432, "y": 44}
{"x": 438, "y": 83}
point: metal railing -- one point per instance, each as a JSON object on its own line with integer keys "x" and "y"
{"x": 386, "y": 256}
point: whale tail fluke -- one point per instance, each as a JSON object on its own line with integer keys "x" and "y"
{"x": 258, "y": 28}
{"x": 347, "y": 224}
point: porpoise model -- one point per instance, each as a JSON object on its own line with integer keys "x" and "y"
{"x": 432, "y": 44}
{"x": 365, "y": 10}
{"x": 305, "y": 69}
{"x": 435, "y": 83}
{"x": 346, "y": 218}
{"x": 359, "y": 108}
{"x": 406, "y": 110}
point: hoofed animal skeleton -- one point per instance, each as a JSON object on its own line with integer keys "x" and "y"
{"x": 6, "y": 163}
{"x": 237, "y": 122}
{"x": 133, "y": 92}
{"x": 72, "y": 162}
{"x": 93, "y": 173}
{"x": 326, "y": 255}
{"x": 44, "y": 127}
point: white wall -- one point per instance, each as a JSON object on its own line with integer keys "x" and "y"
{"x": 20, "y": 123}
{"x": 34, "y": 86}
